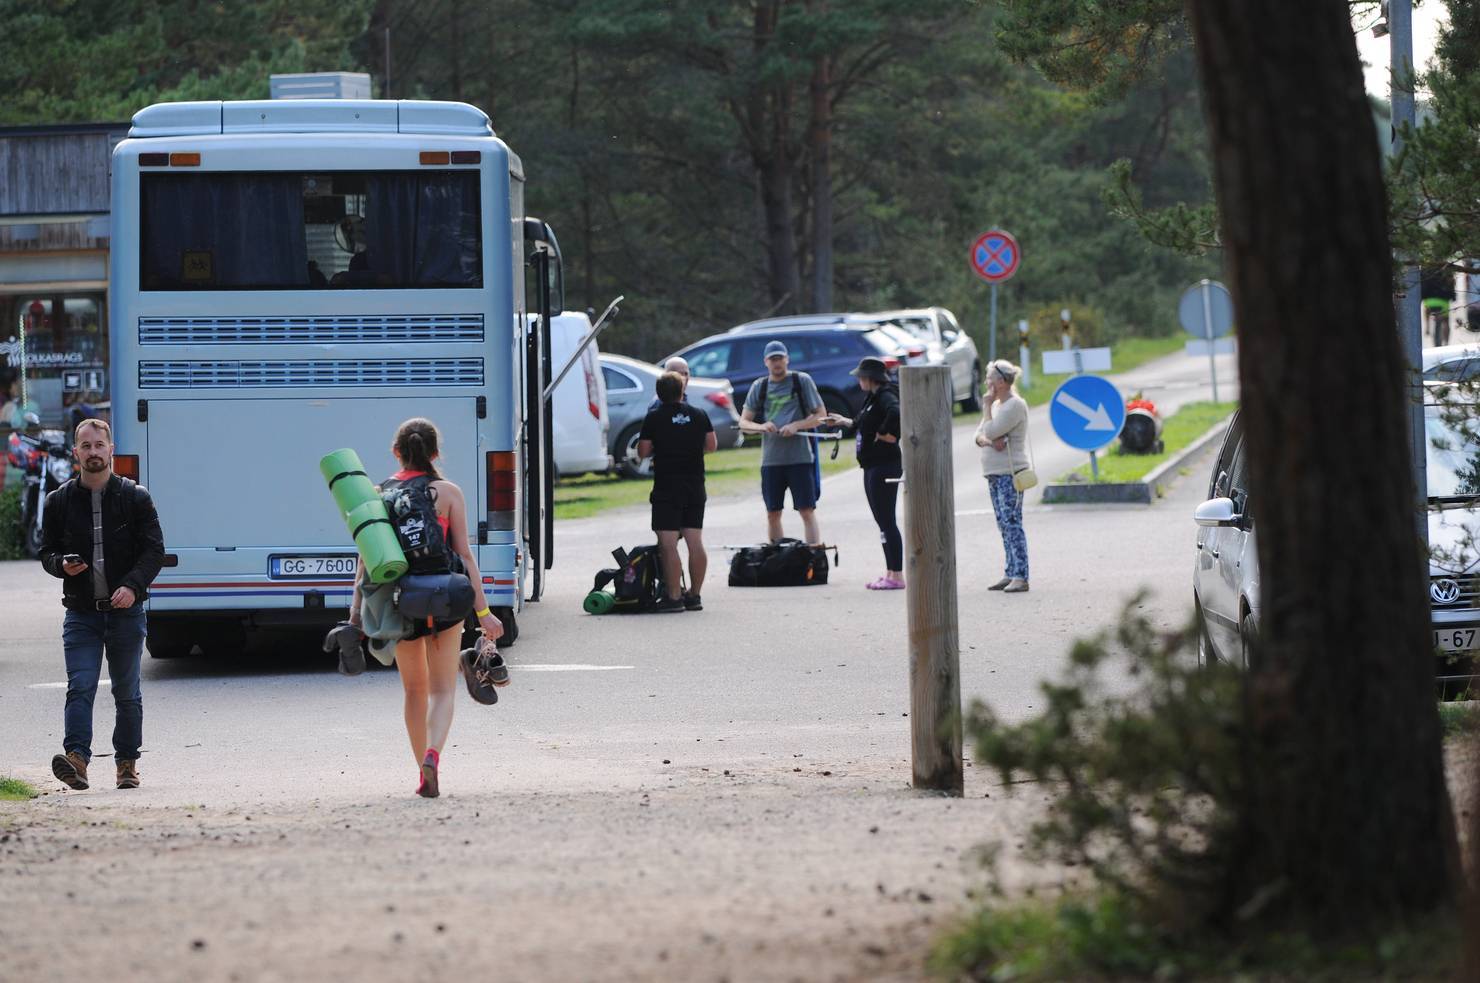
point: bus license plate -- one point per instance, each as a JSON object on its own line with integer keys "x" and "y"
{"x": 1457, "y": 639}
{"x": 291, "y": 567}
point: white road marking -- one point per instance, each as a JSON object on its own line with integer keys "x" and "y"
{"x": 105, "y": 681}
{"x": 563, "y": 667}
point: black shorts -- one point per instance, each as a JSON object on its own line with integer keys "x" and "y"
{"x": 678, "y": 503}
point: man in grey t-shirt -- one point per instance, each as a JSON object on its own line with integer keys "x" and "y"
{"x": 780, "y": 405}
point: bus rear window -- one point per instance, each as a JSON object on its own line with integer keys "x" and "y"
{"x": 281, "y": 230}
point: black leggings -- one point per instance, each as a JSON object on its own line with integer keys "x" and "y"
{"x": 881, "y": 498}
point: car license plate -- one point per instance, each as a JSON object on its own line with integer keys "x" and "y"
{"x": 294, "y": 567}
{"x": 1457, "y": 639}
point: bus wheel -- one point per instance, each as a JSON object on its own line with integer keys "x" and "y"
{"x": 168, "y": 641}
{"x": 511, "y": 627}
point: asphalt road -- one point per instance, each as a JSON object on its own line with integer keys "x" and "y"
{"x": 713, "y": 796}
{"x": 757, "y": 679}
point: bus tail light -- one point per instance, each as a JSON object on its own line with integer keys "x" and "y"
{"x": 434, "y": 156}
{"x": 185, "y": 160}
{"x": 503, "y": 478}
{"x": 467, "y": 156}
{"x": 126, "y": 465}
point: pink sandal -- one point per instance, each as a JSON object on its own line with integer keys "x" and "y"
{"x": 886, "y": 583}
{"x": 428, "y": 787}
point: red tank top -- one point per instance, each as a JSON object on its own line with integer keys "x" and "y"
{"x": 441, "y": 519}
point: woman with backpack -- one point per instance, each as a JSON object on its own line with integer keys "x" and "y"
{"x": 877, "y": 445}
{"x": 428, "y": 659}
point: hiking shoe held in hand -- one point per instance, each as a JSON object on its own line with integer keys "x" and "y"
{"x": 128, "y": 774}
{"x": 70, "y": 769}
{"x": 670, "y": 605}
{"x": 483, "y": 670}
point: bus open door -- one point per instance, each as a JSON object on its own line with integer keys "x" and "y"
{"x": 548, "y": 291}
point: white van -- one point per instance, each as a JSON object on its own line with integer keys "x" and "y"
{"x": 579, "y": 403}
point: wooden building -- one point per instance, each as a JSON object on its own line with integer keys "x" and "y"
{"x": 54, "y": 204}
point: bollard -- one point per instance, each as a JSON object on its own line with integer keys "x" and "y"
{"x": 930, "y": 591}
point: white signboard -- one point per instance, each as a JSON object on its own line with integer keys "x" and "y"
{"x": 1076, "y": 360}
{"x": 1218, "y": 346}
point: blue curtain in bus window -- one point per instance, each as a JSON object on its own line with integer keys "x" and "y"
{"x": 422, "y": 230}
{"x": 223, "y": 230}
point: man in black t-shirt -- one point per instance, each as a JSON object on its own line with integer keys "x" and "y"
{"x": 677, "y": 436}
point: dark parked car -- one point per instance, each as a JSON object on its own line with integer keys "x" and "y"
{"x": 826, "y": 353}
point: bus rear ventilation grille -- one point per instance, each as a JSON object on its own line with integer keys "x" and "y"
{"x": 309, "y": 330}
{"x": 311, "y": 374}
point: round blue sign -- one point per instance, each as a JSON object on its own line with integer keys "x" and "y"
{"x": 1086, "y": 412}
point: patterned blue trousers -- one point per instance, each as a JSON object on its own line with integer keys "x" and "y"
{"x": 1007, "y": 505}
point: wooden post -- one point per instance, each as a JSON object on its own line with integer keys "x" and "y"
{"x": 930, "y": 578}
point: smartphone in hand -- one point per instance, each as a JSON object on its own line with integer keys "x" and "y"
{"x": 72, "y": 558}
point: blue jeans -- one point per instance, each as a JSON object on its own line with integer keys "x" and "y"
{"x": 86, "y": 636}
{"x": 1007, "y": 505}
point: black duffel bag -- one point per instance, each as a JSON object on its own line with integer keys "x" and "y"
{"x": 784, "y": 563}
{"x": 439, "y": 596}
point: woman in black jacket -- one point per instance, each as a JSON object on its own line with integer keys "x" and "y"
{"x": 877, "y": 442}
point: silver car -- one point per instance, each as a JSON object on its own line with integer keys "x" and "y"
{"x": 631, "y": 388}
{"x": 948, "y": 345}
{"x": 1225, "y": 580}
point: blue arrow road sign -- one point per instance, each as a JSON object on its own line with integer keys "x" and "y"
{"x": 1086, "y": 412}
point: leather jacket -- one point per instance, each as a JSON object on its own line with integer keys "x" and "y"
{"x": 133, "y": 544}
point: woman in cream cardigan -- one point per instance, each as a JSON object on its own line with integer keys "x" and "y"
{"x": 1003, "y": 437}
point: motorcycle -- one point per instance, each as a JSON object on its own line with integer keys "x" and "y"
{"x": 47, "y": 465}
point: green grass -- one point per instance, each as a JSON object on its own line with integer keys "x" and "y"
{"x": 15, "y": 790}
{"x": 1178, "y": 430}
{"x": 1103, "y": 937}
{"x": 1456, "y": 719}
{"x": 726, "y": 472}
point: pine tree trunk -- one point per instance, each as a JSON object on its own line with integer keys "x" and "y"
{"x": 1348, "y": 821}
{"x": 822, "y": 210}
{"x": 773, "y": 156}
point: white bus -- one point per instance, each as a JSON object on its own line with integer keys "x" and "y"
{"x": 295, "y": 276}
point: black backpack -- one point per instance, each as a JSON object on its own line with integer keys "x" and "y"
{"x": 413, "y": 515}
{"x": 784, "y": 563}
{"x": 637, "y": 579}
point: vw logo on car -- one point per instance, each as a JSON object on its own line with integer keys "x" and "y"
{"x": 1443, "y": 590}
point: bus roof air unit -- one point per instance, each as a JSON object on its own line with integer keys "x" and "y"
{"x": 311, "y": 116}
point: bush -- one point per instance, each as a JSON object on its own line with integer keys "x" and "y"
{"x": 1148, "y": 783}
{"x": 11, "y": 543}
{"x": 1146, "y": 793}
{"x": 1046, "y": 330}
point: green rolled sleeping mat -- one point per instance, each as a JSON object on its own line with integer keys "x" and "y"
{"x": 599, "y": 602}
{"x": 364, "y": 513}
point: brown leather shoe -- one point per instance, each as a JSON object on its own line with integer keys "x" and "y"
{"x": 70, "y": 769}
{"x": 128, "y": 774}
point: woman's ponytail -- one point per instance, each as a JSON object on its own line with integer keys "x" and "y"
{"x": 416, "y": 445}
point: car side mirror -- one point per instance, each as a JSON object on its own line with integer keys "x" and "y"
{"x": 947, "y": 336}
{"x": 1217, "y": 513}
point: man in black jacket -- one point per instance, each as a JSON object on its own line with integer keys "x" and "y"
{"x": 101, "y": 536}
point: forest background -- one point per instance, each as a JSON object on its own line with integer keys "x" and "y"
{"x": 715, "y": 160}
